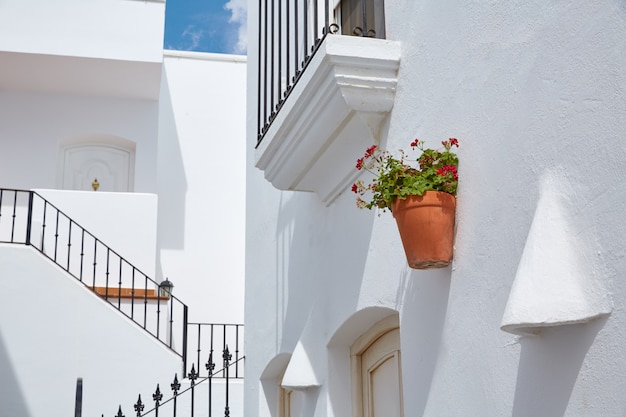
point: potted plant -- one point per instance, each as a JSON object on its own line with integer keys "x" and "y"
{"x": 421, "y": 198}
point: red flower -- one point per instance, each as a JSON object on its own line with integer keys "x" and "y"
{"x": 355, "y": 189}
{"x": 448, "y": 169}
{"x": 359, "y": 163}
{"x": 370, "y": 151}
{"x": 415, "y": 143}
{"x": 454, "y": 141}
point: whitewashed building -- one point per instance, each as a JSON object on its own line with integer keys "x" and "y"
{"x": 90, "y": 100}
{"x": 529, "y": 318}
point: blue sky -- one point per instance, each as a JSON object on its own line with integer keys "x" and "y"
{"x": 206, "y": 26}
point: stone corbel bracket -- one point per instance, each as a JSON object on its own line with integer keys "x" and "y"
{"x": 334, "y": 113}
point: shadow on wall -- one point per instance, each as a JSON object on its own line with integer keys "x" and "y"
{"x": 171, "y": 178}
{"x": 319, "y": 251}
{"x": 549, "y": 366}
{"x": 12, "y": 401}
{"x": 421, "y": 322}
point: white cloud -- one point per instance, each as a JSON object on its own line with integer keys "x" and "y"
{"x": 239, "y": 13}
{"x": 194, "y": 35}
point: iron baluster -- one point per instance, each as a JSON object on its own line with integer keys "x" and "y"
{"x": 199, "y": 343}
{"x": 211, "y": 352}
{"x": 106, "y": 274}
{"x": 139, "y": 406}
{"x": 29, "y": 222}
{"x": 280, "y": 69}
{"x": 43, "y": 225}
{"x": 69, "y": 244}
{"x": 287, "y": 32}
{"x": 224, "y": 344}
{"x": 171, "y": 329}
{"x": 265, "y": 54}
{"x": 306, "y": 33}
{"x": 95, "y": 254}
{"x": 272, "y": 60}
{"x": 185, "y": 326}
{"x": 236, "y": 351}
{"x": 315, "y": 23}
{"x": 295, "y": 42}
{"x": 145, "y": 301}
{"x": 56, "y": 236}
{"x": 14, "y": 215}
{"x": 119, "y": 287}
{"x": 193, "y": 375}
{"x": 158, "y": 315}
{"x": 227, "y": 357}
{"x": 157, "y": 397}
{"x": 78, "y": 405}
{"x": 132, "y": 294}
{"x": 210, "y": 366}
{"x": 82, "y": 254}
{"x": 175, "y": 387}
{"x": 119, "y": 412}
{"x": 258, "y": 109}
{"x": 326, "y": 17}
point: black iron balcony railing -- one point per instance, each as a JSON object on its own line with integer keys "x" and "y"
{"x": 27, "y": 218}
{"x": 290, "y": 32}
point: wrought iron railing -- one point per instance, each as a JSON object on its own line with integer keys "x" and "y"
{"x": 186, "y": 401}
{"x": 29, "y": 219}
{"x": 207, "y": 338}
{"x": 290, "y": 32}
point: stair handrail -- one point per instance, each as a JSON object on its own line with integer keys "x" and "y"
{"x": 26, "y": 205}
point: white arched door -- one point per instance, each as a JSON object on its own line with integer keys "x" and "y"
{"x": 111, "y": 167}
{"x": 376, "y": 371}
{"x": 380, "y": 377}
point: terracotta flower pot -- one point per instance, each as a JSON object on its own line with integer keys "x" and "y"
{"x": 426, "y": 225}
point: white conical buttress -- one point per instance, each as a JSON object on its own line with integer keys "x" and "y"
{"x": 555, "y": 283}
{"x": 299, "y": 374}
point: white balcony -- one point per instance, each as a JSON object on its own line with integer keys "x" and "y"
{"x": 334, "y": 112}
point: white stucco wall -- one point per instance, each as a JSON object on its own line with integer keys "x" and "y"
{"x": 44, "y": 123}
{"x": 531, "y": 91}
{"x": 69, "y": 333}
{"x": 201, "y": 178}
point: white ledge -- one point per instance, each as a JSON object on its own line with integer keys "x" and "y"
{"x": 334, "y": 112}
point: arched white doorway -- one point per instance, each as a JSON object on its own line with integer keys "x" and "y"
{"x": 107, "y": 162}
{"x": 376, "y": 371}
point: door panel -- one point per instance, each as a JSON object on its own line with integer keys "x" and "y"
{"x": 380, "y": 371}
{"x": 112, "y": 167}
